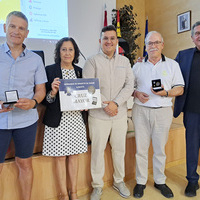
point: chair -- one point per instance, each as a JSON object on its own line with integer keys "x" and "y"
{"x": 41, "y": 54}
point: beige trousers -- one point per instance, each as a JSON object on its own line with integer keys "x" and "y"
{"x": 100, "y": 131}
{"x": 151, "y": 124}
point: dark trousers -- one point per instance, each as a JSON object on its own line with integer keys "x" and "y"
{"x": 192, "y": 125}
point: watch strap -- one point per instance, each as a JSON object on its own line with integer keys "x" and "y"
{"x": 36, "y": 104}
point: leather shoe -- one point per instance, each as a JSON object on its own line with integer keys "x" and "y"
{"x": 165, "y": 190}
{"x": 138, "y": 191}
{"x": 190, "y": 190}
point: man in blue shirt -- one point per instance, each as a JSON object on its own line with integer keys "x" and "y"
{"x": 22, "y": 71}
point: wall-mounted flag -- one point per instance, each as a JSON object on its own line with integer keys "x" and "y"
{"x": 118, "y": 25}
{"x": 146, "y": 32}
{"x": 105, "y": 16}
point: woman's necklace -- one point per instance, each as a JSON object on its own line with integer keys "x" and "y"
{"x": 67, "y": 70}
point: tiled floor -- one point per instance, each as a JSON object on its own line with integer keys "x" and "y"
{"x": 175, "y": 180}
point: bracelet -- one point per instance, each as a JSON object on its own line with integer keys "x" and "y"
{"x": 52, "y": 96}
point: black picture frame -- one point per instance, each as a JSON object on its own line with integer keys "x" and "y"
{"x": 184, "y": 22}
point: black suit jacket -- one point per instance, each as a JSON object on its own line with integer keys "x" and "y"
{"x": 53, "y": 113}
{"x": 184, "y": 58}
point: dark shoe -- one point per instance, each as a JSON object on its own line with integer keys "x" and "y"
{"x": 138, "y": 191}
{"x": 190, "y": 190}
{"x": 165, "y": 190}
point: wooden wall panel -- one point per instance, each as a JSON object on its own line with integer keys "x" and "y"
{"x": 45, "y": 185}
{"x": 162, "y": 17}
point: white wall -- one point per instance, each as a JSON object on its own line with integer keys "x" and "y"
{"x": 85, "y": 23}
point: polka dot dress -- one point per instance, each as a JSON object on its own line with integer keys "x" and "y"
{"x": 69, "y": 137}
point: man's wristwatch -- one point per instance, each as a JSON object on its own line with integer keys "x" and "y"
{"x": 36, "y": 104}
{"x": 166, "y": 93}
{"x": 116, "y": 103}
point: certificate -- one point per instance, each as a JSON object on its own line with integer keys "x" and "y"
{"x": 79, "y": 94}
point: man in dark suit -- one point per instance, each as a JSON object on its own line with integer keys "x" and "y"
{"x": 189, "y": 103}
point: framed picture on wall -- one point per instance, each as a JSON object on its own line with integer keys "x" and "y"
{"x": 184, "y": 21}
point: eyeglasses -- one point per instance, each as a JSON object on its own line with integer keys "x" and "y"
{"x": 154, "y": 43}
{"x": 197, "y": 33}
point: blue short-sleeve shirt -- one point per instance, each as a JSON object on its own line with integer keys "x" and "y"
{"x": 22, "y": 75}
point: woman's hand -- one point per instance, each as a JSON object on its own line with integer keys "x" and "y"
{"x": 55, "y": 86}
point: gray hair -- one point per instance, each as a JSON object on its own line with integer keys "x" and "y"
{"x": 149, "y": 34}
{"x": 193, "y": 26}
{"x": 17, "y": 14}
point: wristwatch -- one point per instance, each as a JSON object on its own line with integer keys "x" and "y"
{"x": 116, "y": 103}
{"x": 36, "y": 104}
{"x": 166, "y": 93}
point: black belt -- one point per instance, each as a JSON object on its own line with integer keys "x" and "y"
{"x": 153, "y": 107}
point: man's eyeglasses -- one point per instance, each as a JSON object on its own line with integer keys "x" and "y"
{"x": 197, "y": 33}
{"x": 154, "y": 43}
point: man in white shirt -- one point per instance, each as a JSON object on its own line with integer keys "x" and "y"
{"x": 152, "y": 112}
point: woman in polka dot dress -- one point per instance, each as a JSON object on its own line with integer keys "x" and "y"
{"x": 65, "y": 132}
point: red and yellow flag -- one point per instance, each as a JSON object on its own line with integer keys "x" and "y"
{"x": 105, "y": 17}
{"x": 118, "y": 25}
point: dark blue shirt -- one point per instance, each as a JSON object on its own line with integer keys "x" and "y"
{"x": 192, "y": 103}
